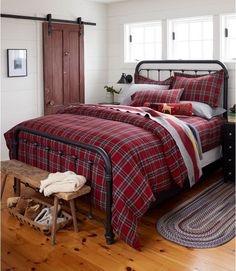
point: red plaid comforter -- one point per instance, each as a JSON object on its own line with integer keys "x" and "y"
{"x": 144, "y": 158}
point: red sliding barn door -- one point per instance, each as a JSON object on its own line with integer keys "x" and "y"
{"x": 63, "y": 55}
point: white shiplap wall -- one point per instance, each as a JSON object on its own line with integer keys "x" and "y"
{"x": 151, "y": 10}
{"x": 22, "y": 97}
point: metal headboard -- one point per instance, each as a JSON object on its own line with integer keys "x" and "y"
{"x": 158, "y": 67}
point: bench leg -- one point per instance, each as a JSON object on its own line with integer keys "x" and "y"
{"x": 72, "y": 208}
{"x": 90, "y": 214}
{"x": 54, "y": 220}
{"x": 4, "y": 179}
{"x": 16, "y": 186}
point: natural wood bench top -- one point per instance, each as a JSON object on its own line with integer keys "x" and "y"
{"x": 33, "y": 175}
{"x": 24, "y": 172}
{"x": 85, "y": 189}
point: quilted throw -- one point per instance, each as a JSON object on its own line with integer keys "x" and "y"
{"x": 145, "y": 157}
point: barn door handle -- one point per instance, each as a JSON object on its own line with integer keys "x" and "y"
{"x": 66, "y": 53}
{"x": 51, "y": 102}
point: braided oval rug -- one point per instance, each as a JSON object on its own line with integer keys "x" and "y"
{"x": 205, "y": 221}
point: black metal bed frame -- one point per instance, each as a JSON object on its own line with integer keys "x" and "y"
{"x": 139, "y": 69}
{"x": 109, "y": 235}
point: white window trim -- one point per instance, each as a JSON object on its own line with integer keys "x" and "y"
{"x": 170, "y": 26}
{"x": 218, "y": 38}
{"x": 222, "y": 38}
{"x": 127, "y": 48}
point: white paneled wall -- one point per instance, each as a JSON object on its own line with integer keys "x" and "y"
{"x": 22, "y": 97}
{"x": 150, "y": 10}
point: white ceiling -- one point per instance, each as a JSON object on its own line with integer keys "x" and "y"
{"x": 108, "y": 1}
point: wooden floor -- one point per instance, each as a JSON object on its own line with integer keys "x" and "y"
{"x": 24, "y": 249}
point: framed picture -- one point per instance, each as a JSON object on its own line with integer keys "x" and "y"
{"x": 16, "y": 62}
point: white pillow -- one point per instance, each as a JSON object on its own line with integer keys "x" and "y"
{"x": 204, "y": 110}
{"x": 124, "y": 96}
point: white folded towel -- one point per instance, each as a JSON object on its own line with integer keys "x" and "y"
{"x": 62, "y": 182}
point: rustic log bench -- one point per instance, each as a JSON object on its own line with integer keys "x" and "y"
{"x": 31, "y": 177}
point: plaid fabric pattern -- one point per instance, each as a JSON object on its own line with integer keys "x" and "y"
{"x": 139, "y": 79}
{"x": 156, "y": 96}
{"x": 205, "y": 89}
{"x": 145, "y": 158}
{"x": 209, "y": 130}
{"x": 187, "y": 75}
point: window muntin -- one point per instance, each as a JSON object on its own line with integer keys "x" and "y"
{"x": 143, "y": 41}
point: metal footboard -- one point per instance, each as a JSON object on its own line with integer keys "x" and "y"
{"x": 109, "y": 235}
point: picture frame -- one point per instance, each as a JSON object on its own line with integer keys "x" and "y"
{"x": 16, "y": 62}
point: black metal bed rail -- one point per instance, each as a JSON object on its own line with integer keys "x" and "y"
{"x": 147, "y": 70}
{"x": 139, "y": 68}
{"x": 109, "y": 235}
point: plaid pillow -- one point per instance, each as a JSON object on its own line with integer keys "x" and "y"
{"x": 156, "y": 96}
{"x": 205, "y": 89}
{"x": 188, "y": 75}
{"x": 180, "y": 109}
{"x": 139, "y": 79}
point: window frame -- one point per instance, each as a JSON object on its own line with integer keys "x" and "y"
{"x": 171, "y": 29}
{"x": 127, "y": 32}
{"x": 223, "y": 25}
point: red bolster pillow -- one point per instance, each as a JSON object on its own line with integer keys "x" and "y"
{"x": 183, "y": 109}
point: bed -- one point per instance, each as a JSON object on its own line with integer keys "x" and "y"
{"x": 128, "y": 160}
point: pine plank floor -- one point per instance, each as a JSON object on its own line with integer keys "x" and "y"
{"x": 23, "y": 248}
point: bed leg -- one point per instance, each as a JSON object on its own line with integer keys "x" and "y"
{"x": 110, "y": 237}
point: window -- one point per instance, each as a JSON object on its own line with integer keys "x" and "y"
{"x": 229, "y": 37}
{"x": 143, "y": 41}
{"x": 191, "y": 38}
